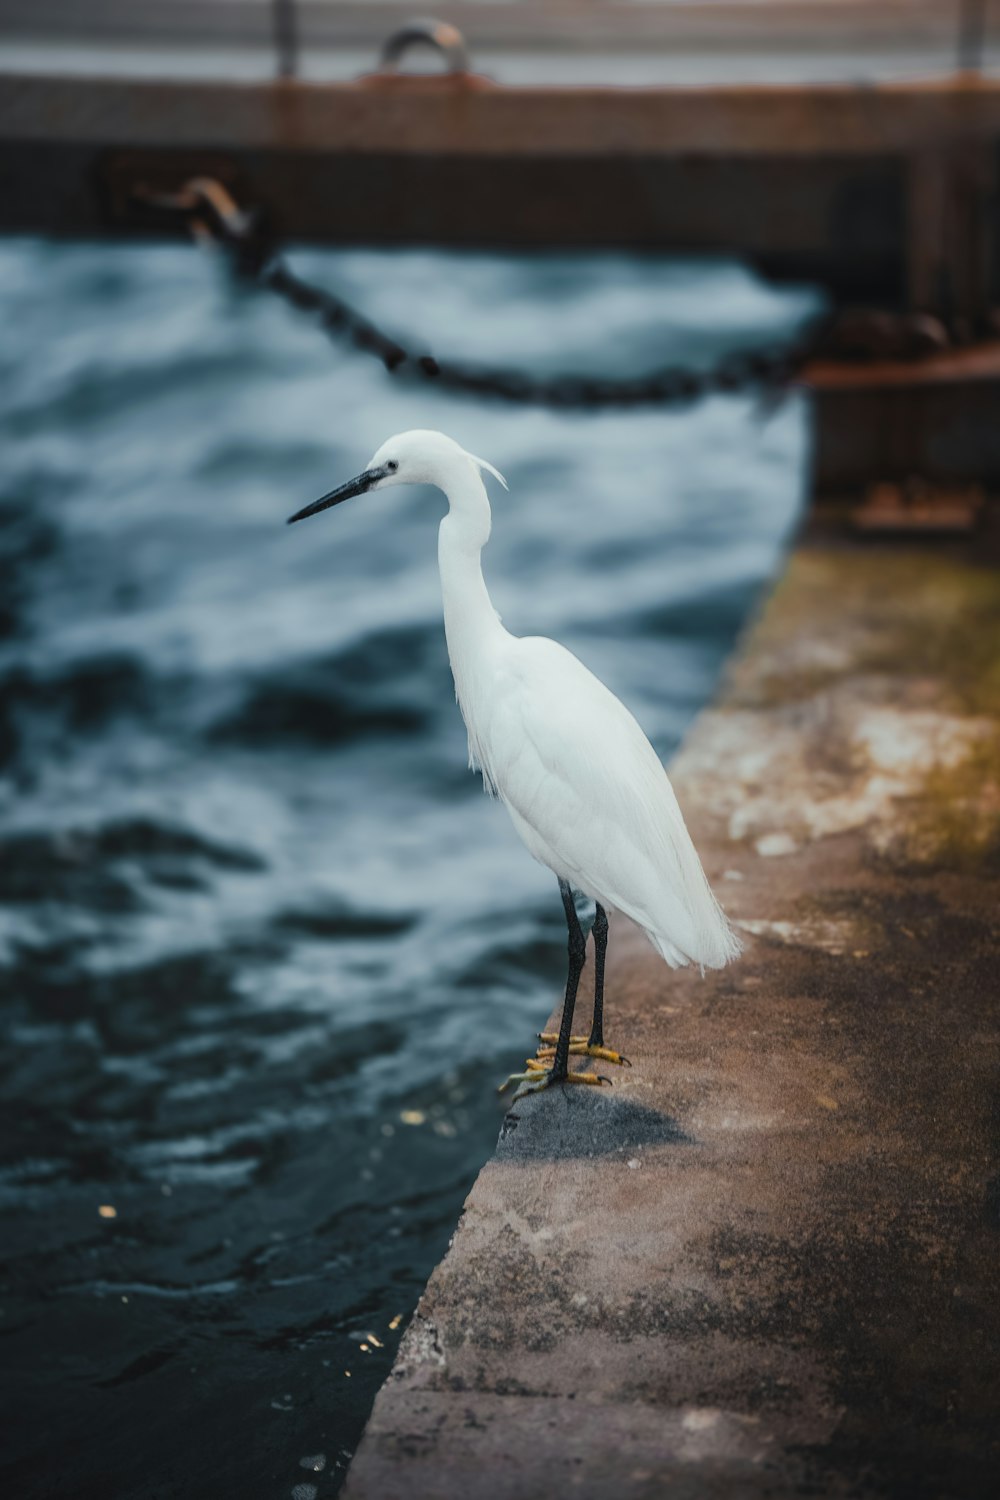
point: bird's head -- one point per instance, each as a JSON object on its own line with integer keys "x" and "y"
{"x": 417, "y": 457}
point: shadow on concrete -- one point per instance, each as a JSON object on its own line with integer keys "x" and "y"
{"x": 583, "y": 1122}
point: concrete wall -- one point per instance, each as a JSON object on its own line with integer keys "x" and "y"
{"x": 765, "y": 1261}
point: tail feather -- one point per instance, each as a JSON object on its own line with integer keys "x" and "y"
{"x": 715, "y": 944}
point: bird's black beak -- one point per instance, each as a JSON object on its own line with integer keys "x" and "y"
{"x": 345, "y": 492}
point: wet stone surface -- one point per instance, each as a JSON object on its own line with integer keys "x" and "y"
{"x": 767, "y": 1263}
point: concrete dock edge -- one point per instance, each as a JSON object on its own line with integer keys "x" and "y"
{"x": 766, "y": 1262}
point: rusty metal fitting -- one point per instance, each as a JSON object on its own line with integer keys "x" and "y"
{"x": 446, "y": 39}
{"x": 206, "y": 192}
{"x": 199, "y": 194}
{"x": 212, "y": 213}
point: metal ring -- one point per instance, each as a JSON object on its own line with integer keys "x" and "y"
{"x": 440, "y": 35}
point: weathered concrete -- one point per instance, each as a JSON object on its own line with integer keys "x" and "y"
{"x": 765, "y": 1263}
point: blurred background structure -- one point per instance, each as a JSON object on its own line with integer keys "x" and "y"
{"x": 848, "y": 144}
{"x": 699, "y": 265}
{"x": 516, "y": 41}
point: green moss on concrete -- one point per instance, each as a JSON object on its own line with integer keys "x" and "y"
{"x": 955, "y": 822}
{"x": 904, "y": 614}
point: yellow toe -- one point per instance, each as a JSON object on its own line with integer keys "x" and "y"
{"x": 580, "y": 1047}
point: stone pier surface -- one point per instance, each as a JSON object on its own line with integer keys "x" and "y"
{"x": 766, "y": 1262}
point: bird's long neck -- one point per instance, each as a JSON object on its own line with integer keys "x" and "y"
{"x": 471, "y": 624}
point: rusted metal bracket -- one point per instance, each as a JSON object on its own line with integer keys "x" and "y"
{"x": 919, "y": 441}
{"x": 919, "y": 508}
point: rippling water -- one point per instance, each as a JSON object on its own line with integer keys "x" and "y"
{"x": 266, "y": 949}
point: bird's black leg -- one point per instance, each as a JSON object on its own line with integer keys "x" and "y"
{"x": 600, "y": 931}
{"x": 552, "y": 1063}
{"x": 577, "y": 959}
{"x": 592, "y": 1045}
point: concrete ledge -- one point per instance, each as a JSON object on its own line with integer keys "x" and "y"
{"x": 765, "y": 1263}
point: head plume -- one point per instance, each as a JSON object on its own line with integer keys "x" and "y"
{"x": 487, "y": 466}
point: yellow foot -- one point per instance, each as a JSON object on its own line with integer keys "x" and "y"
{"x": 579, "y": 1046}
{"x": 539, "y": 1077}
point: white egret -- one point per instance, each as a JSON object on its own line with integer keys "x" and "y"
{"x": 583, "y": 786}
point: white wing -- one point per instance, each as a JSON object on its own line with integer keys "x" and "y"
{"x": 588, "y": 794}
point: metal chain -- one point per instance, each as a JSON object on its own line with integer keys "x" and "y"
{"x": 210, "y": 211}
{"x": 665, "y": 386}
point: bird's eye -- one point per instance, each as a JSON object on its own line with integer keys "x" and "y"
{"x": 392, "y": 466}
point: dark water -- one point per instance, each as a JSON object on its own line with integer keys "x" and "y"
{"x": 265, "y": 948}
